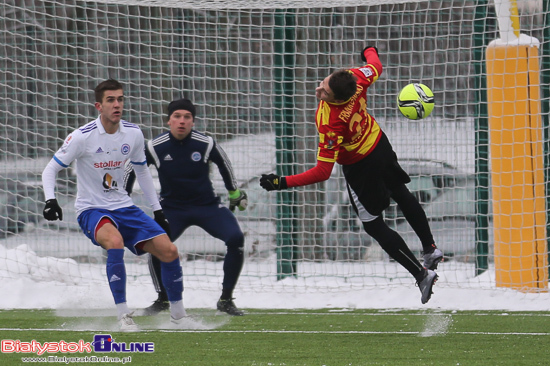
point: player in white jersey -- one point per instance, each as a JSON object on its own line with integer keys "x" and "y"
{"x": 105, "y": 212}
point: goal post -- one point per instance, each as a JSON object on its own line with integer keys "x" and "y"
{"x": 284, "y": 117}
{"x": 482, "y": 193}
{"x": 251, "y": 68}
{"x": 518, "y": 185}
{"x": 545, "y": 80}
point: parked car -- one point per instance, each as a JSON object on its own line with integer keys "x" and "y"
{"x": 446, "y": 194}
{"x": 21, "y": 205}
{"x": 60, "y": 239}
{"x": 18, "y": 205}
{"x": 21, "y": 196}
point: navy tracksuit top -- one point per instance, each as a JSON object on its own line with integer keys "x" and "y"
{"x": 184, "y": 169}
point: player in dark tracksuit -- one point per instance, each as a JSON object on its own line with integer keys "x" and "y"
{"x": 182, "y": 157}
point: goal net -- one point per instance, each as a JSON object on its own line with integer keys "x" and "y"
{"x": 251, "y": 68}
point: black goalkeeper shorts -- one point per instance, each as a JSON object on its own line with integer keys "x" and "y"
{"x": 371, "y": 179}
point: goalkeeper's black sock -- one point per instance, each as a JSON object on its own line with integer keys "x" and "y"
{"x": 232, "y": 265}
{"x": 227, "y": 294}
{"x": 155, "y": 269}
{"x": 163, "y": 296}
{"x": 394, "y": 245}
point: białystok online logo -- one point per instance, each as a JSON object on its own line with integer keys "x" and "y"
{"x": 102, "y": 343}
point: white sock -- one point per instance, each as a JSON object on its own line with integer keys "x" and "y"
{"x": 176, "y": 309}
{"x": 122, "y": 309}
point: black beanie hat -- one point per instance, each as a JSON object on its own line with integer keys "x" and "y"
{"x": 181, "y": 104}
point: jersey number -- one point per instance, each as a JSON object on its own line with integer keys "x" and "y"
{"x": 355, "y": 126}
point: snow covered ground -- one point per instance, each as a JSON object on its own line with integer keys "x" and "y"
{"x": 50, "y": 283}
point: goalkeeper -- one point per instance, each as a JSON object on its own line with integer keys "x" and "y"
{"x": 182, "y": 158}
{"x": 350, "y": 136}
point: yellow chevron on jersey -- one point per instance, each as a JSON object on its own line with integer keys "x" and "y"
{"x": 322, "y": 116}
{"x": 327, "y": 159}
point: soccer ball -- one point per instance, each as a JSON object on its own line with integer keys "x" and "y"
{"x": 415, "y": 101}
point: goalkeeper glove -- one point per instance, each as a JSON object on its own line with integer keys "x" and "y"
{"x": 161, "y": 220}
{"x": 238, "y": 199}
{"x": 271, "y": 182}
{"x": 52, "y": 211}
{"x": 363, "y": 58}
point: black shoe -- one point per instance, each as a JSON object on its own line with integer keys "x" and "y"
{"x": 227, "y": 306}
{"x": 156, "y": 307}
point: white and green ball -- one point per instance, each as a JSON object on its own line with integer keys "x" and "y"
{"x": 415, "y": 101}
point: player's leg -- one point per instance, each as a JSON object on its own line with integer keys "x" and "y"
{"x": 395, "y": 179}
{"x": 414, "y": 214}
{"x": 142, "y": 234}
{"x": 382, "y": 163}
{"x": 416, "y": 217}
{"x": 369, "y": 196}
{"x": 395, "y": 246}
{"x": 98, "y": 225}
{"x": 161, "y": 303}
{"x": 178, "y": 219}
{"x": 108, "y": 236}
{"x": 171, "y": 272}
{"x": 222, "y": 224}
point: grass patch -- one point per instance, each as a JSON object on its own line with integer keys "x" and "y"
{"x": 300, "y": 337}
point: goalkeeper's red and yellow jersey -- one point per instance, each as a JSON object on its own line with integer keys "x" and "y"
{"x": 347, "y": 132}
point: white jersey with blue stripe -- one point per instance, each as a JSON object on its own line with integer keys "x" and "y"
{"x": 100, "y": 159}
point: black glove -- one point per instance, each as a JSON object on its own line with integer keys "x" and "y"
{"x": 240, "y": 201}
{"x": 52, "y": 211}
{"x": 363, "y": 58}
{"x": 271, "y": 182}
{"x": 161, "y": 220}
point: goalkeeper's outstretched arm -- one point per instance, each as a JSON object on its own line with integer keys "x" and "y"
{"x": 318, "y": 173}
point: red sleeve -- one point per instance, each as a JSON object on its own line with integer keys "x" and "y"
{"x": 371, "y": 55}
{"x": 318, "y": 173}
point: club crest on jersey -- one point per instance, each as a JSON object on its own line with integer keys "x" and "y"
{"x": 196, "y": 156}
{"x": 330, "y": 140}
{"x": 125, "y": 149}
